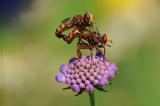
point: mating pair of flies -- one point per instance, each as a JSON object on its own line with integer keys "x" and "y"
{"x": 83, "y": 29}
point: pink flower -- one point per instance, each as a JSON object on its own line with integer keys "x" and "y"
{"x": 87, "y": 73}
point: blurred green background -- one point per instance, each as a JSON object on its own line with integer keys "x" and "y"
{"x": 31, "y": 54}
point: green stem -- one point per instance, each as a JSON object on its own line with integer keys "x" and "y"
{"x": 92, "y": 99}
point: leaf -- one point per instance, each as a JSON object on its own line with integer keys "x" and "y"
{"x": 100, "y": 88}
{"x": 79, "y": 93}
{"x": 69, "y": 87}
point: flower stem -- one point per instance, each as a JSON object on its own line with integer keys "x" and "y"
{"x": 92, "y": 99}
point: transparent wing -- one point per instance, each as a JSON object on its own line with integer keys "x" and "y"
{"x": 67, "y": 19}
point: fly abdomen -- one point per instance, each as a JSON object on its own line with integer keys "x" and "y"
{"x": 61, "y": 28}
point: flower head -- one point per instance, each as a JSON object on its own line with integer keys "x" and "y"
{"x": 87, "y": 73}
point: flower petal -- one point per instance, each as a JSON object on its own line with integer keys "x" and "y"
{"x": 63, "y": 69}
{"x": 99, "y": 54}
{"x": 60, "y": 78}
{"x": 72, "y": 59}
{"x": 89, "y": 88}
{"x": 103, "y": 81}
{"x": 75, "y": 88}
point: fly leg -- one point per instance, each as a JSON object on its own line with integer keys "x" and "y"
{"x": 78, "y": 48}
{"x": 104, "y": 53}
{"x": 104, "y": 50}
{"x": 98, "y": 48}
{"x": 72, "y": 36}
{"x": 82, "y": 46}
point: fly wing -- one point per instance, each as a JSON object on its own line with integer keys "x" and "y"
{"x": 67, "y": 19}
